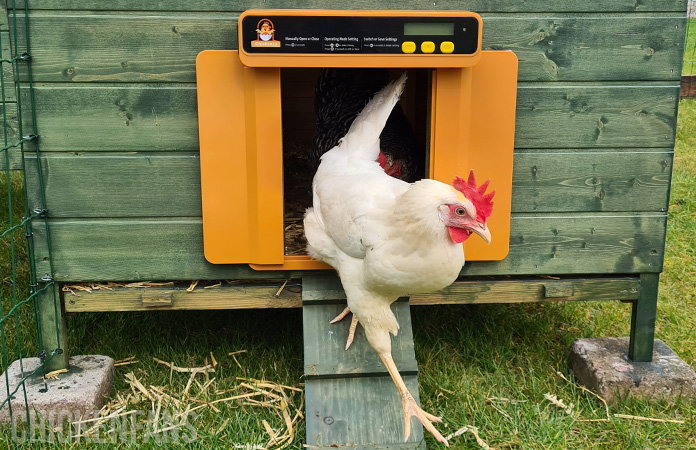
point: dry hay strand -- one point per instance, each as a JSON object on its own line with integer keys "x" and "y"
{"x": 53, "y": 375}
{"x": 125, "y": 361}
{"x": 110, "y": 286}
{"x": 568, "y": 409}
{"x": 472, "y": 430}
{"x": 206, "y": 368}
{"x": 169, "y": 410}
{"x": 616, "y": 416}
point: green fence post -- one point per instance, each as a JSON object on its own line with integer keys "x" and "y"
{"x": 53, "y": 328}
{"x": 643, "y": 314}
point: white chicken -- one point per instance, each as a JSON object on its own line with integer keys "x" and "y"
{"x": 387, "y": 238}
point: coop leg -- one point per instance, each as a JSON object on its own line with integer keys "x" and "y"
{"x": 52, "y": 321}
{"x": 640, "y": 347}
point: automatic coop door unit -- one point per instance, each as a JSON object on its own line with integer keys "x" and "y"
{"x": 471, "y": 116}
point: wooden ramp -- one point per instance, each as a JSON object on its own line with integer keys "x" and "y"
{"x": 350, "y": 398}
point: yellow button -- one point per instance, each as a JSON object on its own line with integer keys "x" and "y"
{"x": 447, "y": 47}
{"x": 428, "y": 47}
{"x": 408, "y": 47}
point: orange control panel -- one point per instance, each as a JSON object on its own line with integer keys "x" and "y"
{"x": 322, "y": 38}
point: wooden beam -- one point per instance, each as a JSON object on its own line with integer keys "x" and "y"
{"x": 53, "y": 329}
{"x": 263, "y": 295}
{"x": 168, "y": 184}
{"x": 643, "y": 315}
{"x": 532, "y": 290}
{"x": 162, "y": 117}
{"x": 178, "y": 297}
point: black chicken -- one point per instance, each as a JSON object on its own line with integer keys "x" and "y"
{"x": 340, "y": 95}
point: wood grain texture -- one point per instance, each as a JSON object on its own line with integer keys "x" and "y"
{"x": 11, "y": 157}
{"x": 591, "y": 181}
{"x": 362, "y": 413}
{"x": 472, "y": 5}
{"x": 11, "y": 134}
{"x": 142, "y": 117}
{"x": 531, "y": 290}
{"x": 643, "y": 316}
{"x": 172, "y": 249}
{"x": 324, "y": 351}
{"x": 53, "y": 328}
{"x": 244, "y": 296}
{"x": 220, "y": 297}
{"x": 135, "y": 47}
{"x": 168, "y": 184}
{"x": 348, "y": 392}
{"x": 7, "y": 69}
{"x": 595, "y": 115}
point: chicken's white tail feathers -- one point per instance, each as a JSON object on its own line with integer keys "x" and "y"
{"x": 362, "y": 139}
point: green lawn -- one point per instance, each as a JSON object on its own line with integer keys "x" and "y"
{"x": 468, "y": 355}
{"x": 689, "y": 67}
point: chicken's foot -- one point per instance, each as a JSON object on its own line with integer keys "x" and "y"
{"x": 353, "y": 325}
{"x": 409, "y": 404}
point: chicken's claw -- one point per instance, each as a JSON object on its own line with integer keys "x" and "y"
{"x": 353, "y": 325}
{"x": 411, "y": 409}
{"x": 409, "y": 404}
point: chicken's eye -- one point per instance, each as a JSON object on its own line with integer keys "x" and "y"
{"x": 459, "y": 211}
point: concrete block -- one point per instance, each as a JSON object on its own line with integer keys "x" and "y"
{"x": 81, "y": 390}
{"x": 602, "y": 365}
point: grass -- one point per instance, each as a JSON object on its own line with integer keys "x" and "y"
{"x": 467, "y": 354}
{"x": 689, "y": 67}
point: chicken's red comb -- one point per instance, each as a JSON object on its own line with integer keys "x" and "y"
{"x": 476, "y": 195}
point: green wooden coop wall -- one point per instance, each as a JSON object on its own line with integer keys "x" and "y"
{"x": 116, "y": 111}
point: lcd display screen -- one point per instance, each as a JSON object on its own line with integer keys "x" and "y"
{"x": 428, "y": 29}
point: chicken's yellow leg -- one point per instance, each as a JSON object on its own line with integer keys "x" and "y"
{"x": 409, "y": 404}
{"x": 353, "y": 325}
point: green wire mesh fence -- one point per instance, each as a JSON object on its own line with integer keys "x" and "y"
{"x": 25, "y": 295}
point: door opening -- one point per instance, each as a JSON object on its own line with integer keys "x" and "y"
{"x": 342, "y": 95}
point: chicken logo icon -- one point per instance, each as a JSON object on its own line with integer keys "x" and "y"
{"x": 265, "y": 35}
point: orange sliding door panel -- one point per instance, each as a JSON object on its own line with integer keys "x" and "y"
{"x": 242, "y": 164}
{"x": 473, "y": 127}
{"x": 241, "y": 160}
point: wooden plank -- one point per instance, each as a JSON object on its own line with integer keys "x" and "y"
{"x": 322, "y": 288}
{"x": 97, "y": 47}
{"x": 524, "y": 290}
{"x": 117, "y": 117}
{"x": 473, "y": 5}
{"x": 124, "y": 47}
{"x": 595, "y": 115}
{"x": 119, "y": 185}
{"x": 10, "y": 135}
{"x": 160, "y": 249}
{"x": 4, "y": 25}
{"x": 584, "y": 180}
{"x": 168, "y": 184}
{"x": 336, "y": 378}
{"x": 363, "y": 413}
{"x": 464, "y": 291}
{"x": 324, "y": 350}
{"x": 11, "y": 157}
{"x": 577, "y": 243}
{"x": 582, "y": 47}
{"x": 7, "y": 69}
{"x": 142, "y": 117}
{"x": 225, "y": 296}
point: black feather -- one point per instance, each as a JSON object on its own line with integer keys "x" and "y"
{"x": 340, "y": 95}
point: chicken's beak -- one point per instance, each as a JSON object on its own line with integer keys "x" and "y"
{"x": 482, "y": 230}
